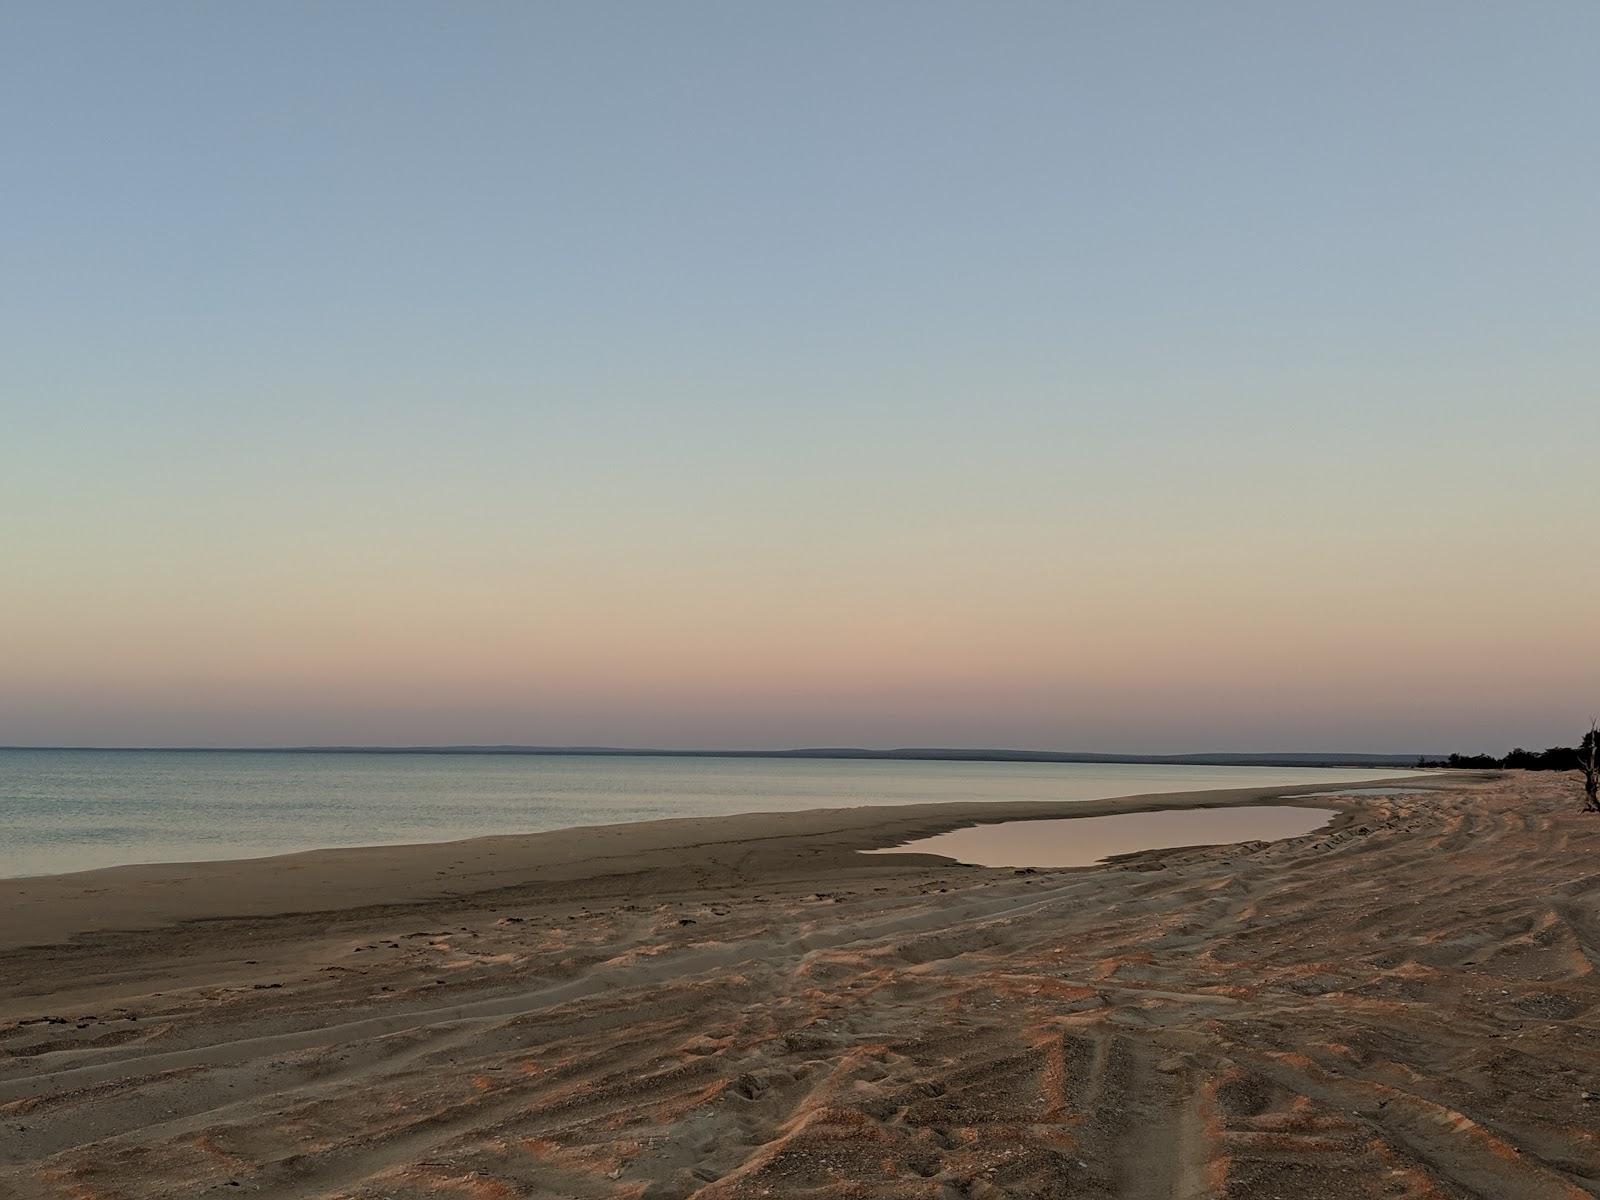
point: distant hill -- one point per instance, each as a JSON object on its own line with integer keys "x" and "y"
{"x": 925, "y": 753}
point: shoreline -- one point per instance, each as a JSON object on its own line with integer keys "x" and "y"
{"x": 76, "y": 812}
{"x": 42, "y": 910}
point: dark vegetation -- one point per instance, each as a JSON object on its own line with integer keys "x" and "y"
{"x": 1556, "y": 758}
{"x": 1584, "y": 757}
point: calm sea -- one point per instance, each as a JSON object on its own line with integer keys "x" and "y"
{"x": 67, "y": 810}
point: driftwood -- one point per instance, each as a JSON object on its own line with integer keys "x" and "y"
{"x": 1589, "y": 764}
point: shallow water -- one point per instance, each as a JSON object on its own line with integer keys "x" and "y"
{"x": 66, "y": 810}
{"x": 1373, "y": 791}
{"x": 1083, "y": 841}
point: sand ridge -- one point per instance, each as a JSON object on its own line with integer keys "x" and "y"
{"x": 1403, "y": 1005}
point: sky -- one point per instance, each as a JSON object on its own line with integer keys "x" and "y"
{"x": 1108, "y": 376}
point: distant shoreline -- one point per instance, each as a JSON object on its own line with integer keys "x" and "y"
{"x": 905, "y": 754}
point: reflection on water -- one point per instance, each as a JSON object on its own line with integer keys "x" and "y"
{"x": 1371, "y": 791}
{"x": 1081, "y": 841}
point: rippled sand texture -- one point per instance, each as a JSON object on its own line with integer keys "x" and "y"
{"x": 1404, "y": 1008}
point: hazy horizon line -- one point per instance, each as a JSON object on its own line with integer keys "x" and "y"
{"x": 978, "y": 753}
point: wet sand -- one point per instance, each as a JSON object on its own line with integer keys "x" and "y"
{"x": 1401, "y": 1005}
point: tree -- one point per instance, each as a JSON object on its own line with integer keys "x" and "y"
{"x": 1556, "y": 758}
{"x": 1473, "y": 762}
{"x": 1589, "y": 764}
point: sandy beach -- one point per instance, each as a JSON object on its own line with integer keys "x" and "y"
{"x": 799, "y": 602}
{"x": 1402, "y": 1004}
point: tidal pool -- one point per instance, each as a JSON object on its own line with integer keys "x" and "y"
{"x": 1083, "y": 841}
{"x": 1371, "y": 791}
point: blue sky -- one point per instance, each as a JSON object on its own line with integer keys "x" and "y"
{"x": 467, "y": 341}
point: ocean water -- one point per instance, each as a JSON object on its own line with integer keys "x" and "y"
{"x": 69, "y": 810}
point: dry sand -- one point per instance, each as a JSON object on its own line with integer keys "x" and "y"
{"x": 1402, "y": 1005}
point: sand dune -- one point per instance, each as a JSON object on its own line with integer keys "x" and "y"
{"x": 1404, "y": 1005}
